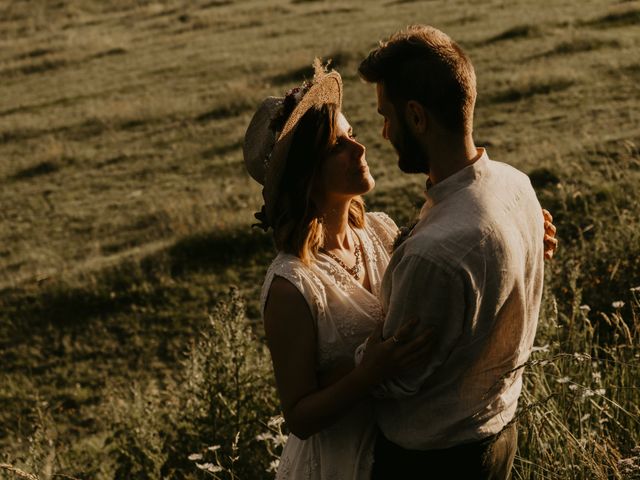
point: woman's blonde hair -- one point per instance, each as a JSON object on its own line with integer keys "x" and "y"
{"x": 297, "y": 226}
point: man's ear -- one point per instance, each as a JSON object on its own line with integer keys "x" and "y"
{"x": 416, "y": 116}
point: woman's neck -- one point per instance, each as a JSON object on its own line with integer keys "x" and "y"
{"x": 335, "y": 218}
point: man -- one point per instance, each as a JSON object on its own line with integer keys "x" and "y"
{"x": 471, "y": 270}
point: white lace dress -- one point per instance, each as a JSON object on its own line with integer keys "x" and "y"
{"x": 345, "y": 313}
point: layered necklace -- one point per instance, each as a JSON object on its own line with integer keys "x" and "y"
{"x": 357, "y": 269}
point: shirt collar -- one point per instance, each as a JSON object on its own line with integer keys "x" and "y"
{"x": 462, "y": 178}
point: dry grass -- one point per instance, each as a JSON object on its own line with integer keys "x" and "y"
{"x": 125, "y": 207}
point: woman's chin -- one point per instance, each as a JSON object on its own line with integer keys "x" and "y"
{"x": 370, "y": 183}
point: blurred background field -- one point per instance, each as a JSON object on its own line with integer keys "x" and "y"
{"x": 125, "y": 217}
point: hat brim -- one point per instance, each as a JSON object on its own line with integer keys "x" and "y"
{"x": 327, "y": 89}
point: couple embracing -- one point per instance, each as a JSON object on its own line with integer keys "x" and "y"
{"x": 396, "y": 358}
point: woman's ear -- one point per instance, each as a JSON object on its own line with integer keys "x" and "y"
{"x": 416, "y": 116}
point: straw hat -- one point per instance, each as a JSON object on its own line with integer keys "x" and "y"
{"x": 271, "y": 130}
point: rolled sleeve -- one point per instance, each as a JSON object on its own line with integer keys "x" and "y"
{"x": 434, "y": 295}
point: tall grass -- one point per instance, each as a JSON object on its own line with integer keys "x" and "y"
{"x": 579, "y": 415}
{"x": 208, "y": 422}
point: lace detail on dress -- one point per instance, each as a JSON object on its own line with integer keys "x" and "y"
{"x": 301, "y": 276}
{"x": 383, "y": 228}
{"x": 340, "y": 276}
{"x": 345, "y": 314}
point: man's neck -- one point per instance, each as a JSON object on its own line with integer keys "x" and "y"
{"x": 449, "y": 155}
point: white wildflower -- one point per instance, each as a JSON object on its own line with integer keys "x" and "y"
{"x": 544, "y": 348}
{"x": 213, "y": 448}
{"x": 635, "y": 289}
{"x": 573, "y": 387}
{"x": 263, "y": 437}
{"x": 209, "y": 467}
{"x": 276, "y": 421}
{"x": 280, "y": 440}
{"x": 587, "y": 392}
{"x": 581, "y": 356}
{"x": 618, "y": 304}
{"x": 563, "y": 380}
{"x": 596, "y": 376}
{"x": 585, "y": 417}
{"x": 273, "y": 466}
{"x": 195, "y": 456}
{"x": 585, "y": 309}
{"x": 600, "y": 391}
{"x": 629, "y": 466}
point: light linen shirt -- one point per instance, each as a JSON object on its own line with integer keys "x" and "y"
{"x": 472, "y": 269}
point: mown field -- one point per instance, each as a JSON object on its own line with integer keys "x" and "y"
{"x": 126, "y": 216}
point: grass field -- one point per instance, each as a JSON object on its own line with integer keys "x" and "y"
{"x": 126, "y": 210}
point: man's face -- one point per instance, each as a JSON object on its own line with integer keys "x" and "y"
{"x": 411, "y": 158}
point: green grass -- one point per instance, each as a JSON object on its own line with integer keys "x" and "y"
{"x": 126, "y": 210}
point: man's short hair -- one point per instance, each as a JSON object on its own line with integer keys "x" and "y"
{"x": 422, "y": 63}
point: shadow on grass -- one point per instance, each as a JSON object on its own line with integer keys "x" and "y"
{"x": 42, "y": 168}
{"x": 515, "y": 33}
{"x": 152, "y": 281}
{"x": 231, "y": 108}
{"x": 238, "y": 249}
{"x": 221, "y": 150}
{"x": 36, "y": 52}
{"x": 399, "y": 2}
{"x": 623, "y": 18}
{"x": 109, "y": 53}
{"x": 216, "y": 3}
{"x": 531, "y": 89}
{"x": 578, "y": 45}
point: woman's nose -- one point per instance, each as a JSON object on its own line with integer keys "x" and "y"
{"x": 358, "y": 148}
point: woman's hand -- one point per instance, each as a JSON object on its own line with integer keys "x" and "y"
{"x": 550, "y": 240}
{"x": 405, "y": 349}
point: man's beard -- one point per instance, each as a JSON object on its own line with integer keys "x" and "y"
{"x": 411, "y": 158}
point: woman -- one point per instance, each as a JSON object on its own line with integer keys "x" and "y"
{"x": 320, "y": 295}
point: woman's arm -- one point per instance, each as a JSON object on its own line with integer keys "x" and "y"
{"x": 291, "y": 337}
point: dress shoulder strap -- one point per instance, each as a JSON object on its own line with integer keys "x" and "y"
{"x": 302, "y": 277}
{"x": 383, "y": 228}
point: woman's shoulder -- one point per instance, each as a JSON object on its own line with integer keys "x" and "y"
{"x": 297, "y": 275}
{"x": 383, "y": 228}
{"x": 287, "y": 265}
{"x": 381, "y": 220}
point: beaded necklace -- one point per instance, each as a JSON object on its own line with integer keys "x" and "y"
{"x": 354, "y": 271}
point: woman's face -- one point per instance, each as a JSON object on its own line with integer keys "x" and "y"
{"x": 344, "y": 171}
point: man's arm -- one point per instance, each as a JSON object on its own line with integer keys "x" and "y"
{"x": 435, "y": 296}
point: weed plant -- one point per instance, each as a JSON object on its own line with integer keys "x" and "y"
{"x": 208, "y": 423}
